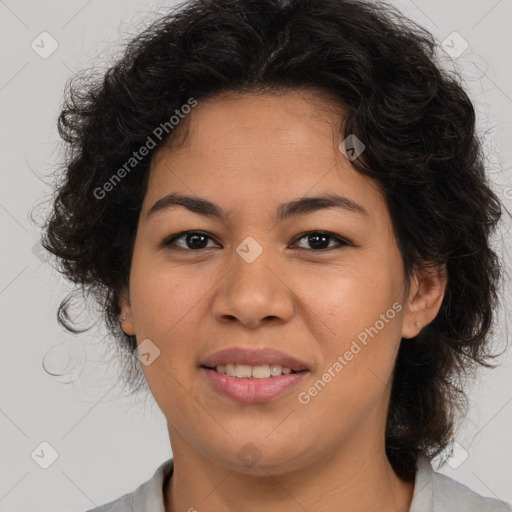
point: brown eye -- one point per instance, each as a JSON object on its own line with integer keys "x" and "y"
{"x": 192, "y": 240}
{"x": 320, "y": 240}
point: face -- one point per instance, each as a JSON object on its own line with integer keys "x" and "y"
{"x": 323, "y": 285}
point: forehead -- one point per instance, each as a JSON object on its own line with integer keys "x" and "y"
{"x": 252, "y": 151}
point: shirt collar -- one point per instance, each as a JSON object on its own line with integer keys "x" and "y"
{"x": 150, "y": 495}
{"x": 423, "y": 497}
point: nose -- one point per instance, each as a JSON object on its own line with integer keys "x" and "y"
{"x": 254, "y": 293}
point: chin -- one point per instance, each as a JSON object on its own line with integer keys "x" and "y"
{"x": 262, "y": 458}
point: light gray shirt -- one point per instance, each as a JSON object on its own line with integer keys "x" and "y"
{"x": 433, "y": 492}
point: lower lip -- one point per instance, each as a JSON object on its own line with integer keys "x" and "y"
{"x": 253, "y": 390}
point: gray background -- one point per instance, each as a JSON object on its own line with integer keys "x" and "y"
{"x": 106, "y": 445}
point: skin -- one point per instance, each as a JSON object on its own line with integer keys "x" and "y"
{"x": 249, "y": 153}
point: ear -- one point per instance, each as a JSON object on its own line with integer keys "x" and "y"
{"x": 424, "y": 299}
{"x": 126, "y": 312}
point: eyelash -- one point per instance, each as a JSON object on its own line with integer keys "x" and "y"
{"x": 169, "y": 242}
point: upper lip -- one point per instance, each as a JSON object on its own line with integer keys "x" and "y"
{"x": 253, "y": 357}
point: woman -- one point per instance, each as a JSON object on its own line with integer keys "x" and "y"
{"x": 282, "y": 208}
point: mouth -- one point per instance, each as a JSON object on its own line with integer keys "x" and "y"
{"x": 246, "y": 371}
{"x": 252, "y": 375}
{"x": 250, "y": 390}
{"x": 257, "y": 362}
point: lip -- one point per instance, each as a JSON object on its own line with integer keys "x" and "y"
{"x": 253, "y": 357}
{"x": 252, "y": 390}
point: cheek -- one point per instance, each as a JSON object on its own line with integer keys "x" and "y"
{"x": 163, "y": 297}
{"x": 357, "y": 314}
{"x": 358, "y": 352}
{"x": 166, "y": 302}
{"x": 350, "y": 297}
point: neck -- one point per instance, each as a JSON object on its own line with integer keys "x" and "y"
{"x": 353, "y": 481}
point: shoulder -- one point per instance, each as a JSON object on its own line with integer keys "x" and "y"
{"x": 435, "y": 492}
{"x": 453, "y": 495}
{"x": 148, "y": 496}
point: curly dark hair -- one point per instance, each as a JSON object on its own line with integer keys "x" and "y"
{"x": 416, "y": 121}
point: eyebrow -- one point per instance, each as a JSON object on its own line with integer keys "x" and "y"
{"x": 285, "y": 211}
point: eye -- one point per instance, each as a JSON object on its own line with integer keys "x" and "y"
{"x": 194, "y": 240}
{"x": 319, "y": 240}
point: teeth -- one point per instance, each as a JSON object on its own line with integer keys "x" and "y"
{"x": 276, "y": 369}
{"x": 245, "y": 371}
{"x": 260, "y": 372}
